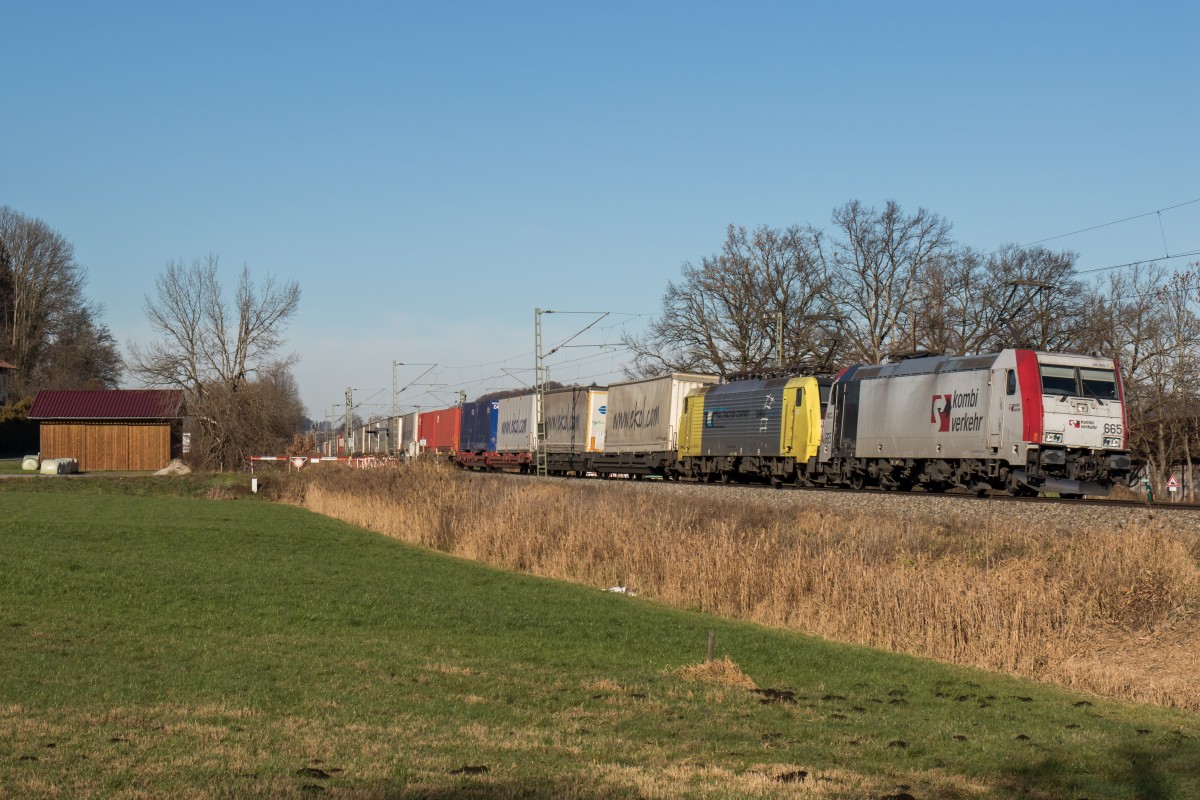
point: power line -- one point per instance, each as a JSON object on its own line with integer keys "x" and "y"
{"x": 1108, "y": 224}
{"x": 1188, "y": 254}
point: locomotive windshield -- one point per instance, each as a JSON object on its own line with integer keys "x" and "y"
{"x": 1082, "y": 382}
{"x": 1059, "y": 380}
{"x": 1100, "y": 383}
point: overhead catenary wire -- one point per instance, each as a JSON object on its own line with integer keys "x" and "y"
{"x": 1188, "y": 254}
{"x": 1157, "y": 211}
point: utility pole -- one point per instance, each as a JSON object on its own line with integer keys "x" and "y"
{"x": 349, "y": 415}
{"x": 542, "y": 373}
{"x": 539, "y": 378}
{"x": 397, "y": 392}
{"x": 779, "y": 338}
{"x": 395, "y": 405}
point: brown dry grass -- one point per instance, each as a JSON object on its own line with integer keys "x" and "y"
{"x": 1109, "y": 610}
{"x": 721, "y": 671}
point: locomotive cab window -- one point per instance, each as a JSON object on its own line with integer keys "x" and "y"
{"x": 1099, "y": 383}
{"x": 824, "y": 390}
{"x": 1010, "y": 382}
{"x": 1059, "y": 380}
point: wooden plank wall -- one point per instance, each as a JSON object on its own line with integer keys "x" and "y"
{"x": 108, "y": 446}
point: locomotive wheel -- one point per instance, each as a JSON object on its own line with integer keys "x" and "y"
{"x": 857, "y": 480}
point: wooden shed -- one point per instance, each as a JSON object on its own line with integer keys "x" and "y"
{"x": 114, "y": 429}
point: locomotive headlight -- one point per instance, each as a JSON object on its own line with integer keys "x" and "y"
{"x": 1112, "y": 441}
{"x": 1053, "y": 438}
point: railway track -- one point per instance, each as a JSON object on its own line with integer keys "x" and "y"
{"x": 953, "y": 494}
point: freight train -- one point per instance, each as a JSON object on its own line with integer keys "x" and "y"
{"x": 1016, "y": 421}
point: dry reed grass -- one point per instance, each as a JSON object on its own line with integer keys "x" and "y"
{"x": 721, "y": 671}
{"x": 1087, "y": 609}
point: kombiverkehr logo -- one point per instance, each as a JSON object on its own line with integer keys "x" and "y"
{"x": 940, "y": 411}
{"x": 955, "y": 412}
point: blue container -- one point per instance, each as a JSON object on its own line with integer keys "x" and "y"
{"x": 478, "y": 432}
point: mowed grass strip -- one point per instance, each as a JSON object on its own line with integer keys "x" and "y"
{"x": 157, "y": 646}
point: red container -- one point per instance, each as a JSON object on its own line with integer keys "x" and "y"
{"x": 437, "y": 431}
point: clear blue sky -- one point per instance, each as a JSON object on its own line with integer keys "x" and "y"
{"x": 430, "y": 173}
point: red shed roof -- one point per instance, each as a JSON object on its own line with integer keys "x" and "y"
{"x": 107, "y": 404}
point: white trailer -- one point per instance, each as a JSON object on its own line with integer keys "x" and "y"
{"x": 516, "y": 424}
{"x": 642, "y": 424}
{"x": 575, "y": 419}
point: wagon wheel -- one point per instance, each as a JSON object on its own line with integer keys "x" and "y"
{"x": 1015, "y": 489}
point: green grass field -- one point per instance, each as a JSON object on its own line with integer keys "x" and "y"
{"x": 162, "y": 646}
{"x": 11, "y": 466}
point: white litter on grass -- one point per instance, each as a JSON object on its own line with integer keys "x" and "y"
{"x": 176, "y": 467}
{"x": 629, "y": 590}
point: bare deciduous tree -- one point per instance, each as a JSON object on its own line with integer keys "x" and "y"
{"x": 1044, "y": 306}
{"x": 721, "y": 317}
{"x": 875, "y": 261}
{"x": 42, "y": 280}
{"x": 1150, "y": 320}
{"x": 957, "y": 304}
{"x": 48, "y": 330}
{"x": 226, "y": 358}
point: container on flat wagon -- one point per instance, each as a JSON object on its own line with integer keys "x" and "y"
{"x": 358, "y": 440}
{"x": 478, "y": 433}
{"x": 408, "y": 439}
{"x": 369, "y": 437}
{"x": 516, "y": 424}
{"x": 395, "y": 434}
{"x": 379, "y": 431}
{"x": 643, "y": 416}
{"x": 438, "y": 431}
{"x": 575, "y": 419}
